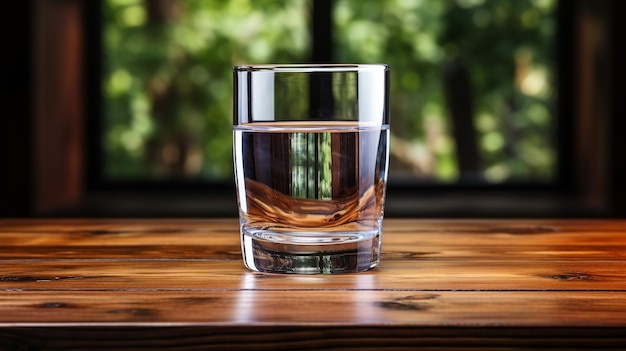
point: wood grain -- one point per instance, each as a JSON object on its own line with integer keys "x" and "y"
{"x": 453, "y": 284}
{"x": 315, "y": 307}
{"x": 402, "y": 274}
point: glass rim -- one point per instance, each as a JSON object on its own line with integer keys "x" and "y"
{"x": 313, "y": 67}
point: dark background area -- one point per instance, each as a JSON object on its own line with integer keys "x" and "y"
{"x": 50, "y": 59}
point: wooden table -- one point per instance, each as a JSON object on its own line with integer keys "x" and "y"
{"x": 442, "y": 284}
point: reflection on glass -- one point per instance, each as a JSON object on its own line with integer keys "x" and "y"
{"x": 311, "y": 160}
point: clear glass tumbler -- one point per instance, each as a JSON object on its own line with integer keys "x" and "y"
{"x": 311, "y": 150}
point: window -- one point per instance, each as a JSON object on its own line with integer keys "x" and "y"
{"x": 167, "y": 81}
{"x": 474, "y": 84}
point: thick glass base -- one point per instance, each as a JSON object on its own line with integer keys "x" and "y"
{"x": 309, "y": 252}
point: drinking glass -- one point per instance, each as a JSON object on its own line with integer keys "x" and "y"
{"x": 311, "y": 151}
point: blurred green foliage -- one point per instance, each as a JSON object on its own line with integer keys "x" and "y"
{"x": 508, "y": 49}
{"x": 168, "y": 79}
